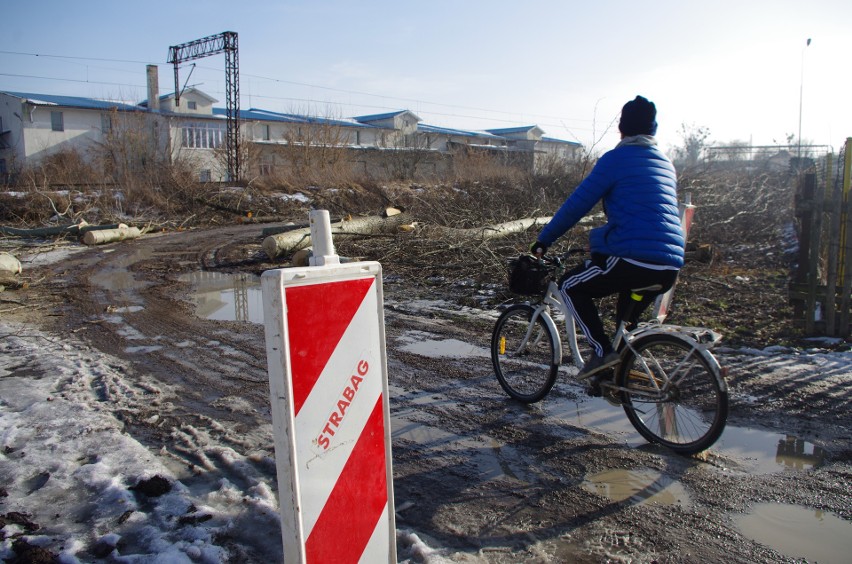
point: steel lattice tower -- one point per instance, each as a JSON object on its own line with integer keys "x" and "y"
{"x": 225, "y": 42}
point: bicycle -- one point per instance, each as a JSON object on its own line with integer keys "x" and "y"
{"x": 670, "y": 385}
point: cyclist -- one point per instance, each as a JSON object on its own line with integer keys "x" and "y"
{"x": 642, "y": 242}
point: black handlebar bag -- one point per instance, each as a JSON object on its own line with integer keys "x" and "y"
{"x": 528, "y": 276}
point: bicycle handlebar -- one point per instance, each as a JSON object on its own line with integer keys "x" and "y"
{"x": 556, "y": 260}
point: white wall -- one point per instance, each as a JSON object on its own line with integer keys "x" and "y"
{"x": 80, "y": 129}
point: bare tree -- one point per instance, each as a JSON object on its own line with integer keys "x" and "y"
{"x": 694, "y": 140}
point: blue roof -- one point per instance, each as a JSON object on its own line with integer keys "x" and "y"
{"x": 449, "y": 131}
{"x": 378, "y": 117}
{"x": 269, "y": 115}
{"x": 512, "y": 129}
{"x": 554, "y": 140}
{"x": 73, "y": 102}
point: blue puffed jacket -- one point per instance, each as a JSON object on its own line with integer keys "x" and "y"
{"x": 638, "y": 185}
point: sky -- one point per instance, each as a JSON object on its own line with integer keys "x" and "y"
{"x": 742, "y": 70}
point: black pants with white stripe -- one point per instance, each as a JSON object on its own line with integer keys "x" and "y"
{"x": 603, "y": 276}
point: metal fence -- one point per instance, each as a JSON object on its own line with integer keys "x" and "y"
{"x": 821, "y": 288}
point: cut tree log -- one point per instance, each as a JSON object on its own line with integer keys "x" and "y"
{"x": 483, "y": 233}
{"x": 73, "y": 229}
{"x": 287, "y": 243}
{"x": 111, "y": 235}
{"x": 9, "y": 264}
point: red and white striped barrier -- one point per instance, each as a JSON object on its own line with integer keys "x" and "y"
{"x": 325, "y": 345}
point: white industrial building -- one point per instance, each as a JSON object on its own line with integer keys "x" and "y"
{"x": 33, "y": 126}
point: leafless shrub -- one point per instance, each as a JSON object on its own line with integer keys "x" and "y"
{"x": 66, "y": 168}
{"x": 737, "y": 206}
{"x": 476, "y": 164}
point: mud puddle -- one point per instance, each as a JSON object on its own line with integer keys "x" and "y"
{"x": 764, "y": 452}
{"x": 222, "y": 296}
{"x": 422, "y": 343}
{"x": 118, "y": 280}
{"x": 638, "y": 487}
{"x": 798, "y": 532}
{"x": 749, "y": 450}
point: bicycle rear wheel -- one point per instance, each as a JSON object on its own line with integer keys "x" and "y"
{"x": 689, "y": 414}
{"x": 524, "y": 355}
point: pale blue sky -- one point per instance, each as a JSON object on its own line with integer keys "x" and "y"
{"x": 732, "y": 66}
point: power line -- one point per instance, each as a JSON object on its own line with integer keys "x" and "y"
{"x": 48, "y": 56}
{"x": 515, "y": 116}
{"x": 70, "y": 80}
{"x": 311, "y": 101}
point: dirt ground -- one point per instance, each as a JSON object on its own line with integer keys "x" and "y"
{"x": 477, "y": 475}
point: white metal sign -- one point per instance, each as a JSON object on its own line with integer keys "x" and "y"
{"x": 325, "y": 346}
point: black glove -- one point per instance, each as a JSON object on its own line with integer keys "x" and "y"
{"x": 538, "y": 248}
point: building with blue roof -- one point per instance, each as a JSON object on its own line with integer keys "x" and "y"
{"x": 34, "y": 126}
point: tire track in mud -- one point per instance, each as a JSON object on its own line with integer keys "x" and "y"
{"x": 212, "y": 413}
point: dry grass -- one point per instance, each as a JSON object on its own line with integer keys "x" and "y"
{"x": 735, "y": 206}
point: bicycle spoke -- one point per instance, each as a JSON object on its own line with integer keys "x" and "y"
{"x": 671, "y": 394}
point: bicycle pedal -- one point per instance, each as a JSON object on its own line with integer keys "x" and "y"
{"x": 613, "y": 399}
{"x": 607, "y": 390}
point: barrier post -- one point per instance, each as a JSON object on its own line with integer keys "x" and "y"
{"x": 661, "y": 304}
{"x": 325, "y": 349}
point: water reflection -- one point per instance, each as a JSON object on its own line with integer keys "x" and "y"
{"x": 226, "y": 297}
{"x": 792, "y": 453}
{"x": 638, "y": 487}
{"x": 798, "y": 532}
{"x": 764, "y": 452}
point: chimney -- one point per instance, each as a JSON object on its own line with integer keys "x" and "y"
{"x": 153, "y": 88}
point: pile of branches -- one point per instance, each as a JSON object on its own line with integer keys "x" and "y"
{"x": 739, "y": 207}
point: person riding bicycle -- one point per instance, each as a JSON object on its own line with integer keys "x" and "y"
{"x": 642, "y": 242}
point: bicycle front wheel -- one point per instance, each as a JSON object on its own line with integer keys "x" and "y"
{"x": 671, "y": 394}
{"x": 523, "y": 354}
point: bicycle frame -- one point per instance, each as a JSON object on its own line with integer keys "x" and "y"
{"x": 697, "y": 337}
{"x": 553, "y": 299}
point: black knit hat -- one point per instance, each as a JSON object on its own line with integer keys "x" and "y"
{"x": 638, "y": 117}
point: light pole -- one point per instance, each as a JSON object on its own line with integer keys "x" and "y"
{"x": 801, "y": 88}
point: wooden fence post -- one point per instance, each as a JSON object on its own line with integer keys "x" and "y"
{"x": 847, "y": 242}
{"x": 805, "y": 213}
{"x": 817, "y": 203}
{"x": 830, "y": 300}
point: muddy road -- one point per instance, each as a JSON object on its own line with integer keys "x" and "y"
{"x": 477, "y": 477}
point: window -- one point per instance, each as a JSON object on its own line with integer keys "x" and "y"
{"x": 265, "y": 169}
{"x": 192, "y": 105}
{"x": 56, "y": 121}
{"x": 106, "y": 123}
{"x": 203, "y": 135}
{"x": 204, "y": 176}
{"x": 265, "y": 131}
